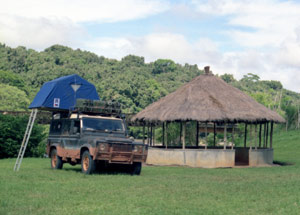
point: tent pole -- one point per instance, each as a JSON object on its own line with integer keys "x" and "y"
{"x": 151, "y": 130}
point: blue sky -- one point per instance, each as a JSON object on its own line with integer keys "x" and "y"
{"x": 237, "y": 37}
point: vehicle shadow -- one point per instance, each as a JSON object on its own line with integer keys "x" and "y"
{"x": 282, "y": 163}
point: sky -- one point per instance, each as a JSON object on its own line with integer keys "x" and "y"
{"x": 236, "y": 37}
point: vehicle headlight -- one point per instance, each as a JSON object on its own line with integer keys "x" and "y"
{"x": 102, "y": 146}
{"x": 138, "y": 149}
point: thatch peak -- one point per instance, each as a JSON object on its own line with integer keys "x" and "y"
{"x": 207, "y": 98}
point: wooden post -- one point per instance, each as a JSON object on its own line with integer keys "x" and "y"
{"x": 148, "y": 135}
{"x": 214, "y": 134}
{"x": 260, "y": 126}
{"x": 232, "y": 136}
{"x": 180, "y": 137}
{"x": 265, "y": 128}
{"x": 267, "y": 137}
{"x": 206, "y": 135}
{"x": 163, "y": 133}
{"x": 271, "y": 135}
{"x": 143, "y": 133}
{"x": 151, "y": 130}
{"x": 166, "y": 133}
{"x": 245, "y": 136}
{"x": 225, "y": 135}
{"x": 183, "y": 135}
{"x": 197, "y": 134}
{"x": 255, "y": 136}
{"x": 251, "y": 137}
{"x": 153, "y": 137}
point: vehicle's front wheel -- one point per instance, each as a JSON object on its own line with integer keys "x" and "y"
{"x": 56, "y": 161}
{"x": 136, "y": 168}
{"x": 88, "y": 165}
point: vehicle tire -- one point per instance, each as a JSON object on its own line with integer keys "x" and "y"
{"x": 88, "y": 165}
{"x": 136, "y": 168}
{"x": 56, "y": 161}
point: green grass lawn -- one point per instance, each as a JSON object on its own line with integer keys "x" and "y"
{"x": 36, "y": 189}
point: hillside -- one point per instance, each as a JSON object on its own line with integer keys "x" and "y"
{"x": 131, "y": 81}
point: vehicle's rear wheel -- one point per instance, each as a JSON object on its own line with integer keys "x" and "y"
{"x": 136, "y": 168}
{"x": 88, "y": 165}
{"x": 56, "y": 161}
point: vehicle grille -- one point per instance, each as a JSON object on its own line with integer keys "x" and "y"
{"x": 122, "y": 147}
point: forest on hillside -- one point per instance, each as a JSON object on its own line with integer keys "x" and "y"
{"x": 130, "y": 81}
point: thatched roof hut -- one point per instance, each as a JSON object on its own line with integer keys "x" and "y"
{"x": 207, "y": 98}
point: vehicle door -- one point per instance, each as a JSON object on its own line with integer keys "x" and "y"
{"x": 70, "y": 137}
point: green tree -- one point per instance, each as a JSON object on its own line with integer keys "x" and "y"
{"x": 12, "y": 130}
{"x": 13, "y": 99}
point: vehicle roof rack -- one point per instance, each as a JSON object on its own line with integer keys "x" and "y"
{"x": 97, "y": 107}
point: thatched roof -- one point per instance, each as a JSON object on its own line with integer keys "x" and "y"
{"x": 207, "y": 99}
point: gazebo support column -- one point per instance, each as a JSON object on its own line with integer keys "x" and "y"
{"x": 265, "y": 128}
{"x": 183, "y": 135}
{"x": 271, "y": 135}
{"x": 245, "y": 136}
{"x": 180, "y": 134}
{"x": 260, "y": 128}
{"x": 214, "y": 134}
{"x": 151, "y": 134}
{"x": 144, "y": 133}
{"x": 166, "y": 135}
{"x": 163, "y": 133}
{"x": 206, "y": 135}
{"x": 232, "y": 137}
{"x": 197, "y": 134}
{"x": 148, "y": 134}
{"x": 225, "y": 135}
{"x": 255, "y": 131}
{"x": 267, "y": 137}
{"x": 251, "y": 138}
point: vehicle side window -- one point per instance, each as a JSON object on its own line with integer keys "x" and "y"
{"x": 76, "y": 128}
{"x": 56, "y": 127}
{"x": 66, "y": 127}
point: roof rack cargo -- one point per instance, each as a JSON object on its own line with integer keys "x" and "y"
{"x": 97, "y": 107}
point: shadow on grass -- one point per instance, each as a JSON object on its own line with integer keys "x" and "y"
{"x": 112, "y": 169}
{"x": 282, "y": 163}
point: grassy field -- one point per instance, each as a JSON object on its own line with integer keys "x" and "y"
{"x": 36, "y": 189}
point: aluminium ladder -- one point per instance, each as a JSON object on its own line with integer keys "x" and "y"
{"x": 25, "y": 139}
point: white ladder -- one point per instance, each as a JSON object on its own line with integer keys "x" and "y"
{"x": 25, "y": 139}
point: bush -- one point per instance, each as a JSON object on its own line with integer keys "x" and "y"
{"x": 12, "y": 131}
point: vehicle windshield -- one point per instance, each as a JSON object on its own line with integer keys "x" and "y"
{"x": 106, "y": 125}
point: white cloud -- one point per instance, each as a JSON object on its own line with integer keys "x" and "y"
{"x": 40, "y": 24}
{"x": 83, "y": 11}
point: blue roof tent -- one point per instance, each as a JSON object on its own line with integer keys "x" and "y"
{"x": 61, "y": 93}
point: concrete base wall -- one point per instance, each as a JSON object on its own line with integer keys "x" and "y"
{"x": 260, "y": 157}
{"x": 209, "y": 158}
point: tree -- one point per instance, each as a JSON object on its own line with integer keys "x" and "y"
{"x": 13, "y": 99}
{"x": 12, "y": 130}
